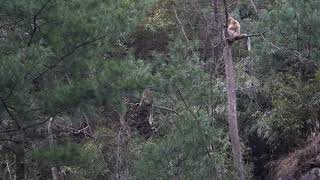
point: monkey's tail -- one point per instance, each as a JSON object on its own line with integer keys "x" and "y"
{"x": 248, "y": 44}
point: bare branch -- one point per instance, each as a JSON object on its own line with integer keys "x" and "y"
{"x": 186, "y": 104}
{"x": 8, "y": 169}
{"x": 182, "y": 28}
{"x": 9, "y": 112}
{"x": 243, "y": 36}
{"x": 5, "y": 139}
{"x": 165, "y": 108}
{"x": 87, "y": 121}
{"x": 35, "y": 25}
{"x": 77, "y": 131}
{"x": 62, "y": 58}
{"x": 42, "y": 122}
{"x": 37, "y": 124}
{"x": 9, "y": 130}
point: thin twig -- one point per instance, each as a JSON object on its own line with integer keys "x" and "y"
{"x": 165, "y": 108}
{"x": 11, "y": 140}
{"x": 273, "y": 45}
{"x": 9, "y": 131}
{"x": 10, "y": 113}
{"x": 76, "y": 131}
{"x": 295, "y": 53}
{"x": 8, "y": 168}
{"x": 186, "y": 104}
{"x": 96, "y": 143}
{"x": 35, "y": 25}
{"x": 42, "y": 122}
{"x": 36, "y": 124}
{"x": 182, "y": 28}
{"x": 87, "y": 121}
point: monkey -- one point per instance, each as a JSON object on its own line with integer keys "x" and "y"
{"x": 233, "y": 27}
{"x": 233, "y": 30}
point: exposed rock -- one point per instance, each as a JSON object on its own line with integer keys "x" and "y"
{"x": 300, "y": 161}
{"x": 314, "y": 174}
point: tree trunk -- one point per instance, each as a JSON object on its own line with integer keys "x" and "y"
{"x": 231, "y": 87}
{"x": 232, "y": 110}
{"x": 122, "y": 159}
{"x": 20, "y": 156}
{"x": 54, "y": 169}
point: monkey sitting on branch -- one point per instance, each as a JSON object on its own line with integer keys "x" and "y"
{"x": 234, "y": 34}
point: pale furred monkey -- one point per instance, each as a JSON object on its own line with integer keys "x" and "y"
{"x": 234, "y": 31}
{"x": 233, "y": 27}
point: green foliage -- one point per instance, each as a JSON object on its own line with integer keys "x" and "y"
{"x": 80, "y": 161}
{"x": 294, "y": 25}
{"x": 184, "y": 152}
{"x": 65, "y": 155}
{"x": 60, "y": 58}
{"x": 286, "y": 68}
{"x": 245, "y": 9}
{"x": 293, "y": 115}
{"x": 115, "y": 79}
{"x": 53, "y": 63}
{"x": 49, "y": 68}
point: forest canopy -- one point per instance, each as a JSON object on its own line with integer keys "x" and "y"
{"x": 159, "y": 89}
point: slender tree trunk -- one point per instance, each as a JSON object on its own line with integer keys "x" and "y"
{"x": 253, "y": 5}
{"x": 231, "y": 88}
{"x": 122, "y": 159}
{"x": 232, "y": 111}
{"x": 54, "y": 169}
{"x": 8, "y": 168}
{"x": 20, "y": 157}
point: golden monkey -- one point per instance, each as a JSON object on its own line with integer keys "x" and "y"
{"x": 234, "y": 31}
{"x": 233, "y": 27}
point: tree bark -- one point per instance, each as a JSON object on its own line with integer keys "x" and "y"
{"x": 232, "y": 111}
{"x": 231, "y": 89}
{"x": 20, "y": 156}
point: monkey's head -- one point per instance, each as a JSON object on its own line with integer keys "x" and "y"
{"x": 230, "y": 20}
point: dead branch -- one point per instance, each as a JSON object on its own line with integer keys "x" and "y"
{"x": 243, "y": 36}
